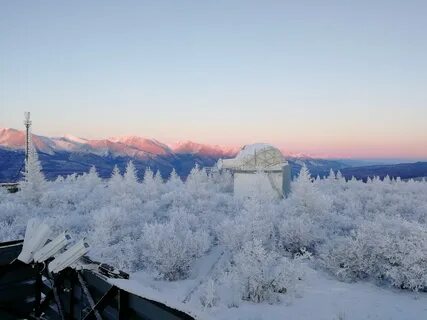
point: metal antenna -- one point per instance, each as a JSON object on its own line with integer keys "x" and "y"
{"x": 27, "y": 123}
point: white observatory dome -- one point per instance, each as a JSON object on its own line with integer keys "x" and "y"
{"x": 252, "y": 157}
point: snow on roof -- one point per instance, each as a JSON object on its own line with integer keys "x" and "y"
{"x": 251, "y": 149}
{"x": 258, "y": 156}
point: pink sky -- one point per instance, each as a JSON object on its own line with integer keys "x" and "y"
{"x": 337, "y": 80}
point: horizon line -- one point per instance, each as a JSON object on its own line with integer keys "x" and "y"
{"x": 235, "y": 148}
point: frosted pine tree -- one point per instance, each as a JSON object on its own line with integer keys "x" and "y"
{"x": 158, "y": 177}
{"x": 331, "y": 176}
{"x": 148, "y": 176}
{"x": 303, "y": 182}
{"x": 339, "y": 176}
{"x": 261, "y": 275}
{"x": 174, "y": 183}
{"x": 115, "y": 184}
{"x": 92, "y": 177}
{"x": 130, "y": 176}
{"x": 306, "y": 197}
{"x": 152, "y": 185}
{"x": 33, "y": 182}
{"x": 116, "y": 177}
{"x": 131, "y": 188}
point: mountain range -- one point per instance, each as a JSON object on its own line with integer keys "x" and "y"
{"x": 68, "y": 154}
{"x": 125, "y": 146}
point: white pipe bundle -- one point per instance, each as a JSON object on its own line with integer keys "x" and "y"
{"x": 35, "y": 238}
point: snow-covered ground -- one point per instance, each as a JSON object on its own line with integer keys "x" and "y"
{"x": 322, "y": 297}
{"x": 325, "y": 298}
{"x": 334, "y": 249}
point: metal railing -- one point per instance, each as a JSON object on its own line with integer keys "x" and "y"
{"x": 29, "y": 291}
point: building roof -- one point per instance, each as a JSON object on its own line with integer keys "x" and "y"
{"x": 259, "y": 156}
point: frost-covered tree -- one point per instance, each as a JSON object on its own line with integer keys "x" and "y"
{"x": 33, "y": 183}
{"x": 92, "y": 178}
{"x": 306, "y": 214}
{"x": 299, "y": 233}
{"x": 116, "y": 177}
{"x": 261, "y": 275}
{"x": 174, "y": 182}
{"x": 197, "y": 178}
{"x": 387, "y": 248}
{"x": 331, "y": 176}
{"x": 130, "y": 176}
{"x": 356, "y": 230}
{"x": 306, "y": 198}
{"x": 131, "y": 187}
{"x": 152, "y": 185}
{"x": 115, "y": 183}
{"x": 256, "y": 220}
{"x": 170, "y": 248}
{"x": 209, "y": 295}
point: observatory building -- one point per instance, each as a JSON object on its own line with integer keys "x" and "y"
{"x": 254, "y": 158}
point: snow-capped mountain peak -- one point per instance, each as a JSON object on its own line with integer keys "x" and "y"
{"x": 71, "y": 138}
{"x": 15, "y": 139}
{"x": 127, "y": 146}
{"x": 203, "y": 149}
{"x": 150, "y": 146}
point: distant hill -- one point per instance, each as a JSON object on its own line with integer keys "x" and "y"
{"x": 68, "y": 154}
{"x": 317, "y": 167}
{"x": 402, "y": 170}
{"x": 65, "y": 155}
{"x": 64, "y": 163}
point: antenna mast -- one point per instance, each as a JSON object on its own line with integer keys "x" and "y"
{"x": 27, "y": 123}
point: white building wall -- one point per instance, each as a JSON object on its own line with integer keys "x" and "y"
{"x": 248, "y": 184}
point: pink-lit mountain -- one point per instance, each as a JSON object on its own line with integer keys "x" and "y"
{"x": 203, "y": 149}
{"x": 68, "y": 154}
{"x": 130, "y": 146}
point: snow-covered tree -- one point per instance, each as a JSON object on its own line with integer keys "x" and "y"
{"x": 92, "y": 177}
{"x": 116, "y": 177}
{"x": 33, "y": 183}
{"x": 388, "y": 248}
{"x": 262, "y": 275}
{"x": 152, "y": 185}
{"x": 115, "y": 183}
{"x": 331, "y": 175}
{"x": 306, "y": 198}
{"x": 174, "y": 182}
{"x": 356, "y": 230}
{"x": 170, "y": 248}
{"x": 130, "y": 176}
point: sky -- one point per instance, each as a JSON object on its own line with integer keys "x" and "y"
{"x": 327, "y": 78}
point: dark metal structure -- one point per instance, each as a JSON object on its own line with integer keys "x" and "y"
{"x": 29, "y": 291}
{"x": 12, "y": 187}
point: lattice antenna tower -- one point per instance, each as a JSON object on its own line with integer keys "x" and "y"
{"x": 27, "y": 123}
